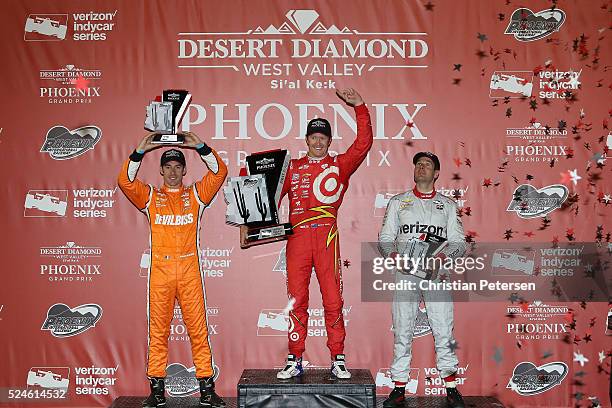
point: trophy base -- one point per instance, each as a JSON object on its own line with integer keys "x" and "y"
{"x": 168, "y": 139}
{"x": 267, "y": 234}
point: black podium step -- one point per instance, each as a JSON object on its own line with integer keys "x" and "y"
{"x": 316, "y": 388}
{"x": 413, "y": 402}
{"x": 171, "y": 402}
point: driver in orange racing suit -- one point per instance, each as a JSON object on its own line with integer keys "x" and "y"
{"x": 174, "y": 213}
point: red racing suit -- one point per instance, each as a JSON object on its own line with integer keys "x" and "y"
{"x": 175, "y": 271}
{"x": 316, "y": 188}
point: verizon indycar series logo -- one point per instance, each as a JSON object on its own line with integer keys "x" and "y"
{"x": 525, "y": 25}
{"x": 529, "y": 202}
{"x": 63, "y": 144}
{"x": 506, "y": 262}
{"x": 46, "y": 27}
{"x": 63, "y": 321}
{"x": 527, "y": 379}
{"x": 87, "y": 202}
{"x": 49, "y": 377}
{"x": 182, "y": 382}
{"x": 89, "y": 26}
{"x": 512, "y": 84}
{"x": 46, "y": 203}
{"x": 273, "y": 322}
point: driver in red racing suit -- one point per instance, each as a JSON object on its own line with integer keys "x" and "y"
{"x": 316, "y": 184}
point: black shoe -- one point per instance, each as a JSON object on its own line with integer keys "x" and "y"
{"x": 397, "y": 398}
{"x": 454, "y": 398}
{"x": 208, "y": 396}
{"x": 157, "y": 398}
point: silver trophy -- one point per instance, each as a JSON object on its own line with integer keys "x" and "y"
{"x": 164, "y": 115}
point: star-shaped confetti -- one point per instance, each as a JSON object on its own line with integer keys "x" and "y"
{"x": 602, "y": 356}
{"x": 573, "y": 174}
{"x": 580, "y": 358}
{"x": 482, "y": 37}
{"x": 81, "y": 83}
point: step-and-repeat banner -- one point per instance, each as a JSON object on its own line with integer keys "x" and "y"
{"x": 512, "y": 96}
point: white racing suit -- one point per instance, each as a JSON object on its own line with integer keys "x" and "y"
{"x": 408, "y": 217}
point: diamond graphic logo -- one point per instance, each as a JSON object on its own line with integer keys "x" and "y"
{"x": 302, "y": 19}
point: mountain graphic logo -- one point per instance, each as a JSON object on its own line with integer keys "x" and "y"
{"x": 525, "y": 25}
{"x": 62, "y": 321}
{"x": 527, "y": 379}
{"x": 529, "y": 202}
{"x": 182, "y": 382}
{"x": 63, "y": 144}
{"x": 302, "y": 20}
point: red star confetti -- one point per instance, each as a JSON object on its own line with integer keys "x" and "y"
{"x": 429, "y": 6}
{"x": 457, "y": 161}
{"x": 81, "y": 83}
{"x": 528, "y": 234}
{"x": 487, "y": 182}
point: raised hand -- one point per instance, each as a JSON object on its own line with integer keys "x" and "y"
{"x": 146, "y": 142}
{"x": 350, "y": 96}
{"x": 191, "y": 140}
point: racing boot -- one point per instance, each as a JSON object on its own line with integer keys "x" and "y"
{"x": 157, "y": 398}
{"x": 338, "y": 368}
{"x": 208, "y": 396}
{"x": 454, "y": 398}
{"x": 397, "y": 398}
{"x": 292, "y": 369}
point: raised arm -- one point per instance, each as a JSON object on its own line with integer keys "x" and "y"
{"x": 217, "y": 170}
{"x": 357, "y": 152}
{"x": 135, "y": 190}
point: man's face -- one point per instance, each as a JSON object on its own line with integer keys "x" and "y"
{"x": 318, "y": 144}
{"x": 424, "y": 171}
{"x": 173, "y": 173}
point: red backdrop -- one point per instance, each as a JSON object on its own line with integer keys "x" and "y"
{"x": 438, "y": 75}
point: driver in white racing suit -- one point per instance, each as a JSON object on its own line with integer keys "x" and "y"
{"x": 412, "y": 216}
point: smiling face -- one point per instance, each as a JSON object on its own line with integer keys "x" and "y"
{"x": 318, "y": 145}
{"x": 173, "y": 173}
{"x": 424, "y": 172}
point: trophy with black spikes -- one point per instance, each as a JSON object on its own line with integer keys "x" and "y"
{"x": 252, "y": 198}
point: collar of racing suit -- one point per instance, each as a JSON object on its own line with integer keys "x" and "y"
{"x": 317, "y": 158}
{"x": 429, "y": 195}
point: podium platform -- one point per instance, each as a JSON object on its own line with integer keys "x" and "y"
{"x": 316, "y": 388}
{"x": 413, "y": 402}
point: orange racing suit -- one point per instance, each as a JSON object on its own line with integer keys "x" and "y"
{"x": 175, "y": 271}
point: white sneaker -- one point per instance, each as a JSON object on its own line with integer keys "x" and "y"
{"x": 292, "y": 369}
{"x": 338, "y": 368}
